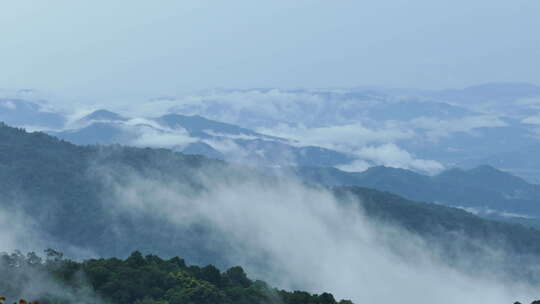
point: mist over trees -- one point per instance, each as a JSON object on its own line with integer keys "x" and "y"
{"x": 139, "y": 279}
{"x": 111, "y": 200}
{"x": 269, "y": 152}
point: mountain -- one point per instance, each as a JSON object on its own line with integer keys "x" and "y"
{"x": 517, "y": 100}
{"x": 501, "y": 92}
{"x": 469, "y": 127}
{"x": 447, "y": 126}
{"x": 197, "y": 135}
{"x": 25, "y": 113}
{"x": 72, "y": 194}
{"x": 484, "y": 190}
{"x": 268, "y": 108}
{"x": 104, "y": 133}
{"x": 455, "y": 147}
{"x": 521, "y": 162}
{"x": 202, "y": 148}
{"x": 198, "y": 126}
{"x": 102, "y": 115}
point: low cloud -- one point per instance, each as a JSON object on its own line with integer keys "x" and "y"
{"x": 303, "y": 238}
{"x": 8, "y": 104}
{"x": 17, "y": 232}
{"x": 391, "y": 155}
{"x": 372, "y": 147}
{"x": 483, "y": 211}
{"x": 531, "y": 103}
{"x": 333, "y": 119}
{"x": 146, "y": 136}
{"x": 356, "y": 166}
{"x": 532, "y": 120}
{"x": 34, "y": 281}
{"x": 230, "y": 136}
{"x": 437, "y": 128}
{"x": 251, "y": 107}
{"x": 340, "y": 137}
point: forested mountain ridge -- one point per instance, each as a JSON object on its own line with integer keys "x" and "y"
{"x": 485, "y": 190}
{"x": 437, "y": 129}
{"x": 61, "y": 186}
{"x": 195, "y": 135}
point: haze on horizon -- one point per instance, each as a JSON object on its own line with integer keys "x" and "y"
{"x": 139, "y": 50}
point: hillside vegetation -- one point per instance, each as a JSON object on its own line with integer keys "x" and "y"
{"x": 63, "y": 188}
{"x": 137, "y": 279}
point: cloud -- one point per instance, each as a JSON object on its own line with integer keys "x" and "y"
{"x": 148, "y": 137}
{"x": 346, "y": 138}
{"x": 254, "y": 108}
{"x": 371, "y": 146}
{"x": 436, "y": 128}
{"x": 531, "y": 102}
{"x": 251, "y": 107}
{"x": 358, "y": 165}
{"x": 391, "y": 155}
{"x": 488, "y": 211}
{"x": 334, "y": 119}
{"x": 17, "y": 232}
{"x": 8, "y": 104}
{"x": 299, "y": 237}
{"x": 231, "y": 149}
{"x": 231, "y": 136}
{"x": 532, "y": 120}
{"x": 20, "y": 280}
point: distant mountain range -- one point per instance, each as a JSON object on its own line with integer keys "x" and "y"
{"x": 197, "y": 135}
{"x": 483, "y": 190}
{"x": 425, "y": 131}
{"x": 523, "y": 161}
{"x": 19, "y": 112}
{"x": 490, "y": 92}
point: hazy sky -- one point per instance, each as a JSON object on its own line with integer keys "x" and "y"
{"x": 138, "y": 49}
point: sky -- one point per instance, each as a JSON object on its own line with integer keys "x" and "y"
{"x": 136, "y": 50}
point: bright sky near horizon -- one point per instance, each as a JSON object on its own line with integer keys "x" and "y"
{"x": 140, "y": 49}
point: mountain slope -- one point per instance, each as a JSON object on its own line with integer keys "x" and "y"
{"x": 103, "y": 114}
{"x": 201, "y": 127}
{"x": 26, "y": 113}
{"x": 484, "y": 189}
{"x": 521, "y": 162}
{"x": 198, "y": 135}
{"x": 69, "y": 191}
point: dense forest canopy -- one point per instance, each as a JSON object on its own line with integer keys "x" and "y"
{"x": 140, "y": 279}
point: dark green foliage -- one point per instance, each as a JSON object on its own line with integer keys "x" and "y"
{"x": 147, "y": 279}
{"x": 236, "y": 276}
